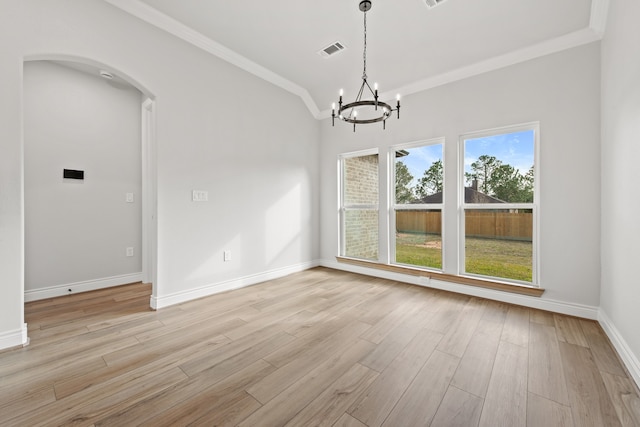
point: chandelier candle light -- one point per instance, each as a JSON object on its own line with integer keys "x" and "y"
{"x": 381, "y": 111}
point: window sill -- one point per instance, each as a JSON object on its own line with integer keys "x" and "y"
{"x": 462, "y": 280}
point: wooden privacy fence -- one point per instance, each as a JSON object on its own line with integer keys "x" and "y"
{"x": 486, "y": 224}
{"x": 419, "y": 222}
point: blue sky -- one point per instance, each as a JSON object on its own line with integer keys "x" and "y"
{"x": 515, "y": 149}
{"x": 420, "y": 159}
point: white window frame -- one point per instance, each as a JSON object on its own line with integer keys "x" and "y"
{"x": 342, "y": 208}
{"x": 393, "y": 206}
{"x": 535, "y": 206}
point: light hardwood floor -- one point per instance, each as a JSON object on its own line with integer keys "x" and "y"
{"x": 321, "y": 347}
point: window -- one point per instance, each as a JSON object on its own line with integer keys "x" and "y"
{"x": 498, "y": 204}
{"x": 359, "y": 205}
{"x": 418, "y": 172}
{"x": 497, "y": 200}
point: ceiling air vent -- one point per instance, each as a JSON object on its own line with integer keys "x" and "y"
{"x": 331, "y": 50}
{"x": 432, "y": 3}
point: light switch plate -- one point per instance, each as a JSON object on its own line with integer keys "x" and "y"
{"x": 200, "y": 196}
{"x": 129, "y": 198}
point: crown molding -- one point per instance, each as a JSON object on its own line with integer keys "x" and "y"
{"x": 599, "y": 13}
{"x": 568, "y": 41}
{"x": 158, "y": 19}
{"x": 595, "y": 32}
{"x": 547, "y": 47}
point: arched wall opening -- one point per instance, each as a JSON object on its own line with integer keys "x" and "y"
{"x": 76, "y": 195}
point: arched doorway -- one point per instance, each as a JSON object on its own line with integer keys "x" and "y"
{"x": 146, "y": 168}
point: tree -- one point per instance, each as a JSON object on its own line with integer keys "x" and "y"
{"x": 431, "y": 181}
{"x": 502, "y": 181}
{"x": 528, "y": 181}
{"x": 404, "y": 193}
{"x": 526, "y": 187}
{"x": 510, "y": 185}
{"x": 482, "y": 170}
{"x": 507, "y": 184}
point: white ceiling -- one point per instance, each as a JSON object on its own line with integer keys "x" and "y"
{"x": 410, "y": 47}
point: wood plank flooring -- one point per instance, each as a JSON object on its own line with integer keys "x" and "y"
{"x": 317, "y": 348}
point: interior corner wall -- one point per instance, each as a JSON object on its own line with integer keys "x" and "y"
{"x": 620, "y": 153}
{"x": 251, "y": 145}
{"x": 11, "y": 212}
{"x": 561, "y": 92}
{"x": 77, "y": 231}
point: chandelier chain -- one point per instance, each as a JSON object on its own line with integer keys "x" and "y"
{"x": 364, "y": 54}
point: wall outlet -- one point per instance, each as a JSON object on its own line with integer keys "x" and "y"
{"x": 227, "y": 255}
{"x": 129, "y": 251}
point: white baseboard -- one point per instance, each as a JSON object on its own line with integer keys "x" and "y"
{"x": 15, "y": 338}
{"x": 571, "y": 309}
{"x": 540, "y": 303}
{"x": 87, "y": 285}
{"x": 215, "y": 288}
{"x": 626, "y": 354}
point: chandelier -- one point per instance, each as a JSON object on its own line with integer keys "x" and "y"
{"x": 364, "y": 111}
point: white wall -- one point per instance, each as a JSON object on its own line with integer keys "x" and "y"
{"x": 251, "y": 145}
{"x": 620, "y": 182}
{"x": 561, "y": 91}
{"x": 12, "y": 330}
{"x": 78, "y": 230}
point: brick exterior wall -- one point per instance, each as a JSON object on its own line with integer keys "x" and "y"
{"x": 361, "y": 188}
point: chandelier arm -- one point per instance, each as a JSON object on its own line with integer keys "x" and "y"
{"x": 359, "y": 96}
{"x": 370, "y": 90}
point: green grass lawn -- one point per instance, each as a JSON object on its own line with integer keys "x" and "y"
{"x": 419, "y": 249}
{"x": 506, "y": 259}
